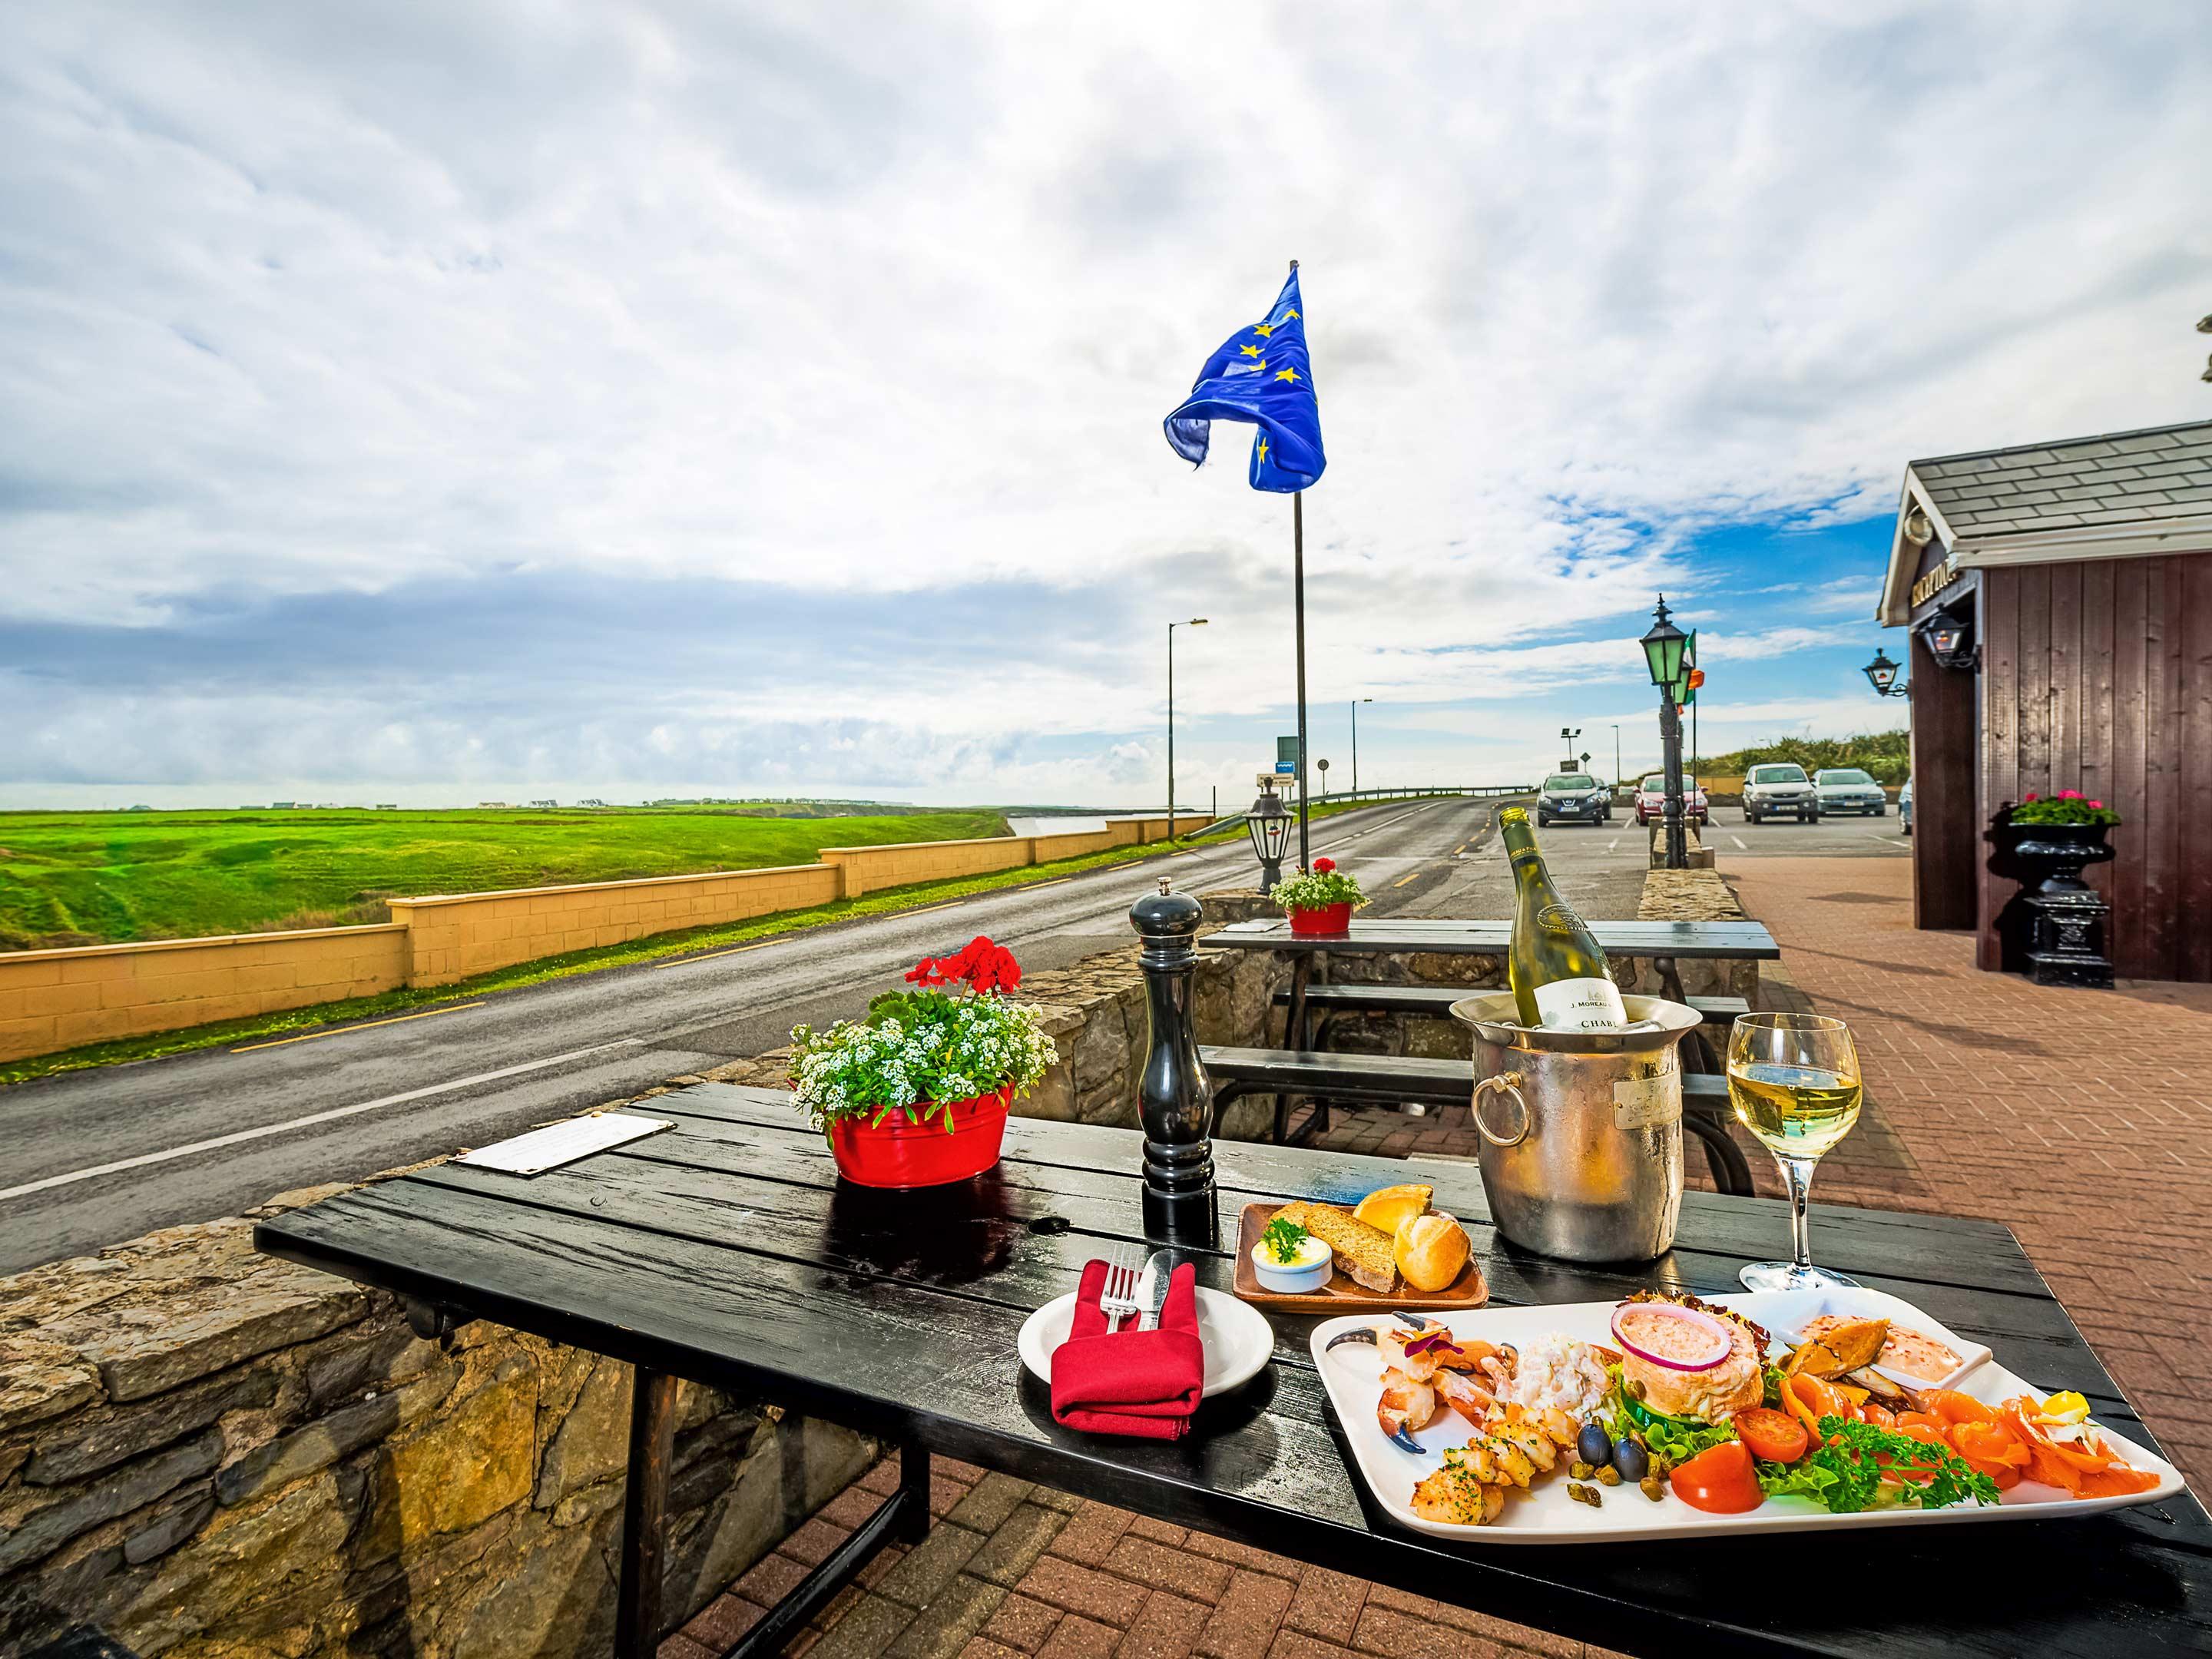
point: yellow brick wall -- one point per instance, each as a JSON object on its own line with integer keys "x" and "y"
{"x": 453, "y": 937}
{"x": 52, "y": 999}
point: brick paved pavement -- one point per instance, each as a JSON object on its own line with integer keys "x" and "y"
{"x": 1011, "y": 1570}
{"x": 2082, "y": 1119}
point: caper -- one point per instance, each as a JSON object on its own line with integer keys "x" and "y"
{"x": 1608, "y": 1476}
{"x": 1651, "y": 1487}
{"x": 1582, "y": 1494}
{"x": 1579, "y": 1470}
{"x": 1633, "y": 1388}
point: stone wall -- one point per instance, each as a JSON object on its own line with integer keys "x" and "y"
{"x": 208, "y": 1453}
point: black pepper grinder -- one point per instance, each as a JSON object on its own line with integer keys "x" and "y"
{"x": 1175, "y": 1097}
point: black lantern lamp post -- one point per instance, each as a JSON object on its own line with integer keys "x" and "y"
{"x": 1881, "y": 674}
{"x": 1663, "y": 655}
{"x": 1269, "y": 823}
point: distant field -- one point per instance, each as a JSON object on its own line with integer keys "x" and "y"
{"x": 98, "y": 878}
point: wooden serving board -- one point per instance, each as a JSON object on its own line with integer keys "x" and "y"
{"x": 1341, "y": 1295}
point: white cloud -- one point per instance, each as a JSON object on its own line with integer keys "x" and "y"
{"x": 854, "y": 300}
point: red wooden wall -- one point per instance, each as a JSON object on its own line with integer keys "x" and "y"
{"x": 2097, "y": 675}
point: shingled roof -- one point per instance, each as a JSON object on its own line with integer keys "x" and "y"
{"x": 2125, "y": 478}
{"x": 2118, "y": 494}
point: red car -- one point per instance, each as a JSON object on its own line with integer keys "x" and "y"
{"x": 1651, "y": 801}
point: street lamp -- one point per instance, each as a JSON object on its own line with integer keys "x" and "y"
{"x": 1269, "y": 823}
{"x": 1356, "y": 702}
{"x": 1663, "y": 655}
{"x": 1196, "y": 622}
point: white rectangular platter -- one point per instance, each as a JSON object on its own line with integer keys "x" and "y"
{"x": 1546, "y": 1515}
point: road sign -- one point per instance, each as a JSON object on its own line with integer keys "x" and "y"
{"x": 1286, "y": 756}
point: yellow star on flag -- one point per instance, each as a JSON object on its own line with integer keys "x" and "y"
{"x": 1252, "y": 351}
{"x": 1263, "y": 328}
{"x": 1287, "y": 315}
{"x": 1291, "y": 374}
{"x": 1263, "y": 446}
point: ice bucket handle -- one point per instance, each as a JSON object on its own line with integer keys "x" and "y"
{"x": 1505, "y": 1083}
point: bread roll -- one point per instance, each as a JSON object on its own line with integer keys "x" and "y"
{"x": 1430, "y": 1250}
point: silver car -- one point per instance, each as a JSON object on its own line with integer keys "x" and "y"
{"x": 1848, "y": 789}
{"x": 1573, "y": 798}
{"x": 1905, "y": 805}
{"x": 1779, "y": 789}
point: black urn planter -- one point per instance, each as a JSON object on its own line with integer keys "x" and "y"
{"x": 2054, "y": 928}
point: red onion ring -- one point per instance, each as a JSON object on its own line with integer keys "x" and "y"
{"x": 1711, "y": 1326}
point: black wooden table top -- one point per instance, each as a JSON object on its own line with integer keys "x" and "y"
{"x": 1738, "y": 939}
{"x": 725, "y": 1250}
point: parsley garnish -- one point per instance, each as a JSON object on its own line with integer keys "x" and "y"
{"x": 1284, "y": 1239}
{"x": 1846, "y": 1471}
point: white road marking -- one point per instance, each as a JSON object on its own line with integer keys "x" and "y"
{"x": 197, "y": 1146}
{"x": 1614, "y": 843}
{"x": 1741, "y": 843}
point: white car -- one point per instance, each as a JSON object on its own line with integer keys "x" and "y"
{"x": 1848, "y": 789}
{"x": 1905, "y": 805}
{"x": 1573, "y": 798}
{"x": 1779, "y": 789}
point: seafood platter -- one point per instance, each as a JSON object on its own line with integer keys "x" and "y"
{"x": 1665, "y": 1416}
{"x": 1392, "y": 1250}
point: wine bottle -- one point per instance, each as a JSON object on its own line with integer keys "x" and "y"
{"x": 1557, "y": 971}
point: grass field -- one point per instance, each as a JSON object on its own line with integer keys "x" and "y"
{"x": 102, "y": 877}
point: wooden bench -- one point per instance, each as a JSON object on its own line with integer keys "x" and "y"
{"x": 1391, "y": 1080}
{"x": 1435, "y": 1002}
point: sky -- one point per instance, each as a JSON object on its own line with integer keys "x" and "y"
{"x": 426, "y": 404}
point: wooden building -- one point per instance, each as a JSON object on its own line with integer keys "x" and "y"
{"x": 2059, "y": 600}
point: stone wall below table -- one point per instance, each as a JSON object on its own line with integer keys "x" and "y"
{"x": 209, "y": 1454}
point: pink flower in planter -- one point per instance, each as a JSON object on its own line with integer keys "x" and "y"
{"x": 2032, "y": 795}
{"x": 2096, "y": 806}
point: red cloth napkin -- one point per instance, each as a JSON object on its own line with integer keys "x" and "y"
{"x": 1145, "y": 1383}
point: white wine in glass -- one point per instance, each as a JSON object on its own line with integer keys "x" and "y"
{"x": 1794, "y": 1080}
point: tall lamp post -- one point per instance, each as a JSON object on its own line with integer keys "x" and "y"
{"x": 1616, "y": 760}
{"x": 1269, "y": 823}
{"x": 1663, "y": 655}
{"x": 1356, "y": 702}
{"x": 1196, "y": 622}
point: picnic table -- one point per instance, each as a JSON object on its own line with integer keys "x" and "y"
{"x": 725, "y": 1250}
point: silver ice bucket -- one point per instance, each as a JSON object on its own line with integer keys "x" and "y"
{"x": 1581, "y": 1132}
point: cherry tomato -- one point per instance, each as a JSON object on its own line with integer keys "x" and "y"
{"x": 1773, "y": 1435}
{"x": 1720, "y": 1480}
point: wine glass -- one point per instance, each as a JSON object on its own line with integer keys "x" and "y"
{"x": 1794, "y": 1081}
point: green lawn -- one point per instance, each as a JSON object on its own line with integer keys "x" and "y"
{"x": 98, "y": 878}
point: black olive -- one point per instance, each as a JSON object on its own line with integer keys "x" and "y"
{"x": 1594, "y": 1446}
{"x": 1631, "y": 1459}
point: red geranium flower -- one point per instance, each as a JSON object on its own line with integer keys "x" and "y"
{"x": 1323, "y": 865}
{"x": 2096, "y": 806}
{"x": 2032, "y": 795}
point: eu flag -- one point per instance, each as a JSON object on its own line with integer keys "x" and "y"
{"x": 1260, "y": 374}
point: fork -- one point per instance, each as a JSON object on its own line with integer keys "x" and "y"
{"x": 1117, "y": 1300}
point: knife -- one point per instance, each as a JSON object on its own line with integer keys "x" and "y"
{"x": 1158, "y": 1271}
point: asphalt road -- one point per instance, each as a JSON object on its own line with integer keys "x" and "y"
{"x": 95, "y": 1157}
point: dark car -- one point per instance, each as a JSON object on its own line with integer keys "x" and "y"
{"x": 1573, "y": 798}
{"x": 1651, "y": 801}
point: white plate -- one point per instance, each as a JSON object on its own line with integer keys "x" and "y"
{"x": 1546, "y": 1515}
{"x": 1237, "y": 1337}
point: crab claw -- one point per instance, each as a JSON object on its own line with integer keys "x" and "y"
{"x": 1412, "y": 1319}
{"x": 1364, "y": 1333}
{"x": 1400, "y": 1439}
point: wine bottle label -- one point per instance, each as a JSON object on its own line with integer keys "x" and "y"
{"x": 1581, "y": 1004}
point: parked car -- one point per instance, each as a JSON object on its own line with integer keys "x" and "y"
{"x": 1779, "y": 789}
{"x": 1651, "y": 801}
{"x": 1848, "y": 789}
{"x": 1905, "y": 806}
{"x": 1573, "y": 798}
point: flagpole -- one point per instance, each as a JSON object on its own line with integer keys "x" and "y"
{"x": 1299, "y": 589}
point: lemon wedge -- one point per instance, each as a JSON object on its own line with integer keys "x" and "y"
{"x": 2064, "y": 1407}
{"x": 1390, "y": 1205}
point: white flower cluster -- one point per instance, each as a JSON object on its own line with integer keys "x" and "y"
{"x": 962, "y": 1047}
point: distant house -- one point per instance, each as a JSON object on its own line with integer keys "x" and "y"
{"x": 546, "y": 803}
{"x": 388, "y": 806}
{"x": 500, "y": 805}
{"x": 283, "y": 805}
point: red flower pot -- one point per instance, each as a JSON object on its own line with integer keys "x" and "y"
{"x": 899, "y": 1152}
{"x": 1329, "y": 918}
